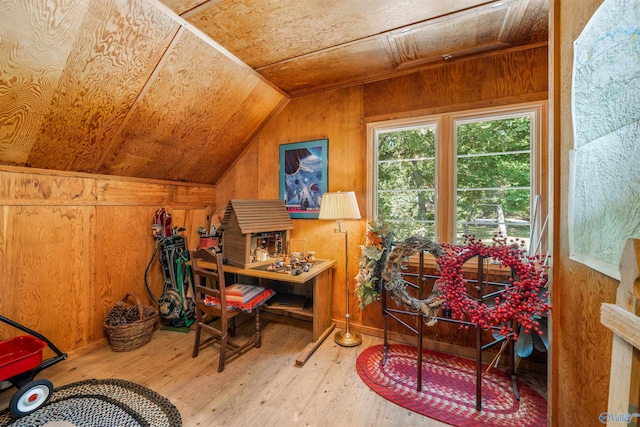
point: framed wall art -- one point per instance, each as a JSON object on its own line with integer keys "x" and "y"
{"x": 303, "y": 177}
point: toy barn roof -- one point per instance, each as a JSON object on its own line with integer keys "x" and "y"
{"x": 255, "y": 215}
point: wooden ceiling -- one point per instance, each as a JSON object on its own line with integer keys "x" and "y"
{"x": 307, "y": 46}
{"x": 177, "y": 90}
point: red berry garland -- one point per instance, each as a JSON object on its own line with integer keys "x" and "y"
{"x": 521, "y": 300}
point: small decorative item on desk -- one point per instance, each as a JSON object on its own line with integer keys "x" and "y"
{"x": 261, "y": 254}
{"x": 277, "y": 267}
{"x": 311, "y": 257}
{"x": 296, "y": 257}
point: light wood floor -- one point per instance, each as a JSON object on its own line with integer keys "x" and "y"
{"x": 261, "y": 387}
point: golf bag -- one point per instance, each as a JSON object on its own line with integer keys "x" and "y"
{"x": 176, "y": 305}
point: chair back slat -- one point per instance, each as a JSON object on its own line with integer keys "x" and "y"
{"x": 210, "y": 281}
{"x": 214, "y": 284}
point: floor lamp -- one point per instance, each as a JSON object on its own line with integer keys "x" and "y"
{"x": 341, "y": 206}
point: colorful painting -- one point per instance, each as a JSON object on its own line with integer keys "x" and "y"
{"x": 303, "y": 177}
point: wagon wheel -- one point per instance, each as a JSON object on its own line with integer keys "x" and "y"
{"x": 30, "y": 397}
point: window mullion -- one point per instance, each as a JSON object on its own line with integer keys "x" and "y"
{"x": 445, "y": 181}
{"x": 503, "y": 185}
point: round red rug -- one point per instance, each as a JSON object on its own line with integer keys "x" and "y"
{"x": 449, "y": 388}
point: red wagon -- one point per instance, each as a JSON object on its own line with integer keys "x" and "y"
{"x": 20, "y": 361}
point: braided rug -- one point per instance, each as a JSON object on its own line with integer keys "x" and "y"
{"x": 448, "y": 389}
{"x": 101, "y": 403}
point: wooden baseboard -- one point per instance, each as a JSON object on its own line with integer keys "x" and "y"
{"x": 88, "y": 348}
{"x": 456, "y": 350}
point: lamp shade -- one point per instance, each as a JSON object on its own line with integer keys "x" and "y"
{"x": 339, "y": 205}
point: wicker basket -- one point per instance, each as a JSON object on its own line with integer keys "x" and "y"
{"x": 132, "y": 335}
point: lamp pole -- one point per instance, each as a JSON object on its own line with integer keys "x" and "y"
{"x": 345, "y": 337}
{"x": 340, "y": 206}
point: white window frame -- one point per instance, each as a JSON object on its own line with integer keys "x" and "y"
{"x": 396, "y": 125}
{"x": 445, "y": 152}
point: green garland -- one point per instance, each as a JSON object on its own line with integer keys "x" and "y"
{"x": 395, "y": 282}
{"x": 372, "y": 260}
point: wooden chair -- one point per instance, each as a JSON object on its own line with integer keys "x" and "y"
{"x": 215, "y": 288}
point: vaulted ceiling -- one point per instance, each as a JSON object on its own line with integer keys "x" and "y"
{"x": 131, "y": 87}
{"x": 306, "y": 46}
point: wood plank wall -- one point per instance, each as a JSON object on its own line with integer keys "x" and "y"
{"x": 119, "y": 88}
{"x": 582, "y": 345}
{"x": 71, "y": 245}
{"x": 341, "y": 116}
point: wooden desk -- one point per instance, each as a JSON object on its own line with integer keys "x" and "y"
{"x": 319, "y": 279}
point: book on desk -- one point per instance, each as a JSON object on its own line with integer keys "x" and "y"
{"x": 242, "y": 293}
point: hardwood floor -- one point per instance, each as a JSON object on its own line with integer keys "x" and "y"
{"x": 261, "y": 387}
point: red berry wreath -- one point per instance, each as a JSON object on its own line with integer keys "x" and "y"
{"x": 522, "y": 300}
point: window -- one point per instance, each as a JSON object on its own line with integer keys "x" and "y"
{"x": 493, "y": 176}
{"x": 477, "y": 173}
{"x": 406, "y": 170}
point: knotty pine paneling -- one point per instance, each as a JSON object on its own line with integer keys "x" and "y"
{"x": 526, "y": 27}
{"x": 182, "y": 6}
{"x": 116, "y": 48}
{"x": 69, "y": 252}
{"x": 175, "y": 132}
{"x": 335, "y": 67}
{"x": 581, "y": 344}
{"x": 242, "y": 179}
{"x": 123, "y": 247}
{"x": 258, "y": 107}
{"x": 37, "y": 39}
{"x": 123, "y": 192}
{"x": 340, "y": 116}
{"x": 349, "y": 43}
{"x": 335, "y": 115}
{"x": 35, "y": 189}
{"x": 500, "y": 79}
{"x": 125, "y": 88}
{"x": 581, "y": 353}
{"x": 191, "y": 218}
{"x": 264, "y": 32}
{"x": 47, "y": 272}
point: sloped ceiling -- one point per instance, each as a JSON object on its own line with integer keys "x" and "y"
{"x": 132, "y": 87}
{"x": 306, "y": 46}
{"x": 123, "y": 88}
